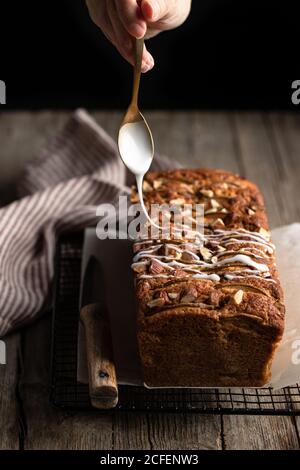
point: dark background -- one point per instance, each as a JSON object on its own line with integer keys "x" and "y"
{"x": 229, "y": 54}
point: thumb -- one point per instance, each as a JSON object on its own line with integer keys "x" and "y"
{"x": 155, "y": 10}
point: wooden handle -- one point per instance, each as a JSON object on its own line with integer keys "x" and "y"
{"x": 102, "y": 373}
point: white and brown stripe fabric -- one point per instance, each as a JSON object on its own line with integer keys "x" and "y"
{"x": 78, "y": 170}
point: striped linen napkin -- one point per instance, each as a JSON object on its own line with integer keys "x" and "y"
{"x": 78, "y": 170}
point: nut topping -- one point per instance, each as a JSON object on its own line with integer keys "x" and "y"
{"x": 238, "y": 297}
{"x": 214, "y": 204}
{"x": 205, "y": 253}
{"x": 139, "y": 267}
{"x": 172, "y": 295}
{"x": 179, "y": 201}
{"x": 155, "y": 267}
{"x": 179, "y": 273}
{"x": 211, "y": 211}
{"x": 161, "y": 295}
{"x": 207, "y": 192}
{"x": 250, "y": 211}
{"x": 190, "y": 295}
{"x": 186, "y": 256}
{"x": 218, "y": 223}
{"x": 157, "y": 183}
{"x": 264, "y": 233}
{"x": 156, "y": 303}
{"x": 214, "y": 297}
{"x": 146, "y": 187}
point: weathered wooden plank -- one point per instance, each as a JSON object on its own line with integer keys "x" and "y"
{"x": 259, "y": 433}
{"x": 22, "y": 134}
{"x": 131, "y": 431}
{"x": 185, "y": 431}
{"x": 46, "y": 427}
{"x": 9, "y": 407}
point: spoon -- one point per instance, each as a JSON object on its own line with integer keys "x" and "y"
{"x": 135, "y": 140}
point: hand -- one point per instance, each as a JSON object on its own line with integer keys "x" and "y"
{"x": 121, "y": 20}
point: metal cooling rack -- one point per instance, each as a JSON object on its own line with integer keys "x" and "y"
{"x": 67, "y": 393}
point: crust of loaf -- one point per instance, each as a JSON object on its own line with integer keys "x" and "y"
{"x": 209, "y": 340}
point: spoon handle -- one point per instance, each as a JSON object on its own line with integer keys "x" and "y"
{"x": 138, "y": 54}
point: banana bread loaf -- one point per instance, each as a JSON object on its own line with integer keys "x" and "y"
{"x": 209, "y": 314}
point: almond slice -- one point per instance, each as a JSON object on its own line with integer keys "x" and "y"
{"x": 205, "y": 253}
{"x": 238, "y": 297}
{"x": 157, "y": 183}
{"x": 207, "y": 192}
{"x": 218, "y": 223}
{"x": 156, "y": 303}
{"x": 211, "y": 211}
{"x": 264, "y": 233}
{"x": 179, "y": 201}
{"x": 214, "y": 204}
{"x": 147, "y": 187}
{"x": 172, "y": 295}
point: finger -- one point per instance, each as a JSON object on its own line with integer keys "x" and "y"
{"x": 147, "y": 61}
{"x": 123, "y": 39}
{"x": 165, "y": 14}
{"x": 155, "y": 10}
{"x": 131, "y": 17}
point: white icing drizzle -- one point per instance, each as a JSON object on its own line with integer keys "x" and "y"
{"x": 247, "y": 256}
{"x": 231, "y": 277}
{"x": 269, "y": 247}
{"x": 245, "y": 259}
{"x": 212, "y": 277}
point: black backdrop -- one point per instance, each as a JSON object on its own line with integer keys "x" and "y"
{"x": 229, "y": 54}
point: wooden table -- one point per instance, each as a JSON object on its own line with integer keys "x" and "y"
{"x": 264, "y": 147}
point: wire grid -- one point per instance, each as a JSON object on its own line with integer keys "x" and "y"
{"x": 67, "y": 393}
